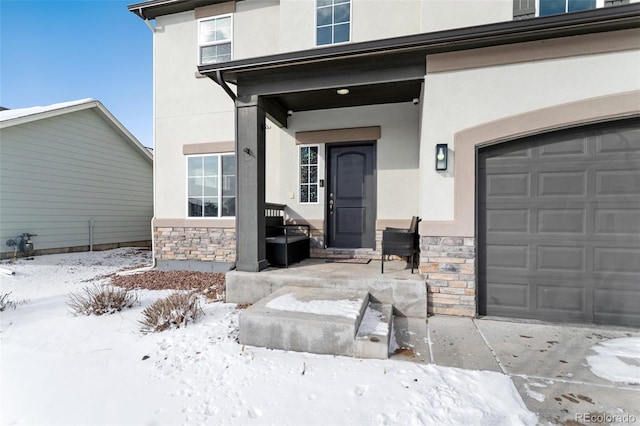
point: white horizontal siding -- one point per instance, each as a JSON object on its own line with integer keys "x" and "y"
{"x": 58, "y": 173}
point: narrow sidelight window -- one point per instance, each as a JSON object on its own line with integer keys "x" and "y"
{"x": 309, "y": 174}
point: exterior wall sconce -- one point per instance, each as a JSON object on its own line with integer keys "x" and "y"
{"x": 442, "y": 154}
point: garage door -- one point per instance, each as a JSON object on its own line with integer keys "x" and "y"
{"x": 559, "y": 226}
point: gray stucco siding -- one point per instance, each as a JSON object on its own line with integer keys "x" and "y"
{"x": 58, "y": 173}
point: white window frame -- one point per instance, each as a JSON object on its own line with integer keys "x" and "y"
{"x": 220, "y": 184}
{"x": 213, "y": 43}
{"x": 317, "y": 183}
{"x": 599, "y": 4}
{"x": 315, "y": 25}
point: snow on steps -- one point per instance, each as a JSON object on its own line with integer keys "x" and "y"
{"x": 316, "y": 320}
{"x": 374, "y": 334}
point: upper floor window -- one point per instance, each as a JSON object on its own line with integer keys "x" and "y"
{"x": 214, "y": 39}
{"x": 333, "y": 21}
{"x": 211, "y": 185}
{"x": 554, "y": 7}
{"x": 529, "y": 8}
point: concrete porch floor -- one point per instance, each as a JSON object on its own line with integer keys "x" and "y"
{"x": 395, "y": 269}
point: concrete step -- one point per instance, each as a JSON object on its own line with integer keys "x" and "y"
{"x": 407, "y": 293}
{"x": 372, "y": 340}
{"x": 305, "y": 319}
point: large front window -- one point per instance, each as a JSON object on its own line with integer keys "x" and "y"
{"x": 214, "y": 40}
{"x": 333, "y": 21}
{"x": 211, "y": 185}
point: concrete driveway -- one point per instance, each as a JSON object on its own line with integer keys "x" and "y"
{"x": 547, "y": 363}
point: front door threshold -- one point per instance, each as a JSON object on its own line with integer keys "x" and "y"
{"x": 347, "y": 253}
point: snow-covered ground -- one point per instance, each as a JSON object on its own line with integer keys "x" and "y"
{"x": 56, "y": 368}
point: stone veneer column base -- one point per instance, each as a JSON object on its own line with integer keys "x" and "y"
{"x": 448, "y": 266}
{"x": 195, "y": 243}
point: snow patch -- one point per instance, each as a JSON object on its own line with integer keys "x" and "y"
{"x": 23, "y": 112}
{"x": 373, "y": 323}
{"x": 342, "y": 308}
{"x": 617, "y": 360}
{"x": 533, "y": 394}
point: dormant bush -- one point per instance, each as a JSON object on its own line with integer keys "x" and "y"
{"x": 101, "y": 300}
{"x": 174, "y": 311}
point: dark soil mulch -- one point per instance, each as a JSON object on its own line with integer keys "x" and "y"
{"x": 212, "y": 285}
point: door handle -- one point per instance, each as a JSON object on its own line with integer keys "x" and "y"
{"x": 331, "y": 206}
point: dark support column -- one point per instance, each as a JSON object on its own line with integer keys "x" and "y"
{"x": 250, "y": 157}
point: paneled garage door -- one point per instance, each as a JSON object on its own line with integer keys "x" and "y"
{"x": 559, "y": 226}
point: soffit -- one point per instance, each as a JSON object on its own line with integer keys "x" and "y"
{"x": 154, "y": 8}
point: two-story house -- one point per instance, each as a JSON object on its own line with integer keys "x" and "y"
{"x": 510, "y": 127}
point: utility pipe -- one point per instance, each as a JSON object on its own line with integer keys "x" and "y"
{"x": 91, "y": 223}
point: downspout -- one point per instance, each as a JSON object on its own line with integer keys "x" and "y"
{"x": 153, "y": 240}
{"x": 154, "y": 262}
{"x": 151, "y": 27}
{"x": 220, "y": 80}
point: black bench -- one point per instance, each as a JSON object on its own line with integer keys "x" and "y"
{"x": 402, "y": 242}
{"x": 286, "y": 243}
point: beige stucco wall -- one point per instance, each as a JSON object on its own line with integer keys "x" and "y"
{"x": 188, "y": 110}
{"x": 396, "y": 151}
{"x": 256, "y": 28}
{"x": 379, "y": 19}
{"x": 494, "y": 92}
{"x": 440, "y": 15}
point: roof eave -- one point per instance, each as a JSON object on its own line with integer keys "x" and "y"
{"x": 597, "y": 20}
{"x": 154, "y": 8}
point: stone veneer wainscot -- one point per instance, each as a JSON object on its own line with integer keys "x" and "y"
{"x": 195, "y": 243}
{"x": 448, "y": 265}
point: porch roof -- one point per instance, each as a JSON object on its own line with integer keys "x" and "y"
{"x": 391, "y": 70}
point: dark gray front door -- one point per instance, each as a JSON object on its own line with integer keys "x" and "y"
{"x": 351, "y": 196}
{"x": 559, "y": 226}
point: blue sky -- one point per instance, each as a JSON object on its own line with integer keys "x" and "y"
{"x": 63, "y": 50}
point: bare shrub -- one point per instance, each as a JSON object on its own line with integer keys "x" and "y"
{"x": 175, "y": 310}
{"x": 101, "y": 300}
{"x": 6, "y": 303}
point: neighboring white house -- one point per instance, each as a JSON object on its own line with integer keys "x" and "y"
{"x": 71, "y": 174}
{"x": 532, "y": 104}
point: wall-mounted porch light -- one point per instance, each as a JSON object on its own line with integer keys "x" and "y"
{"x": 442, "y": 154}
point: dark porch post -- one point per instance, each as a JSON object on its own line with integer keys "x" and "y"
{"x": 250, "y": 153}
